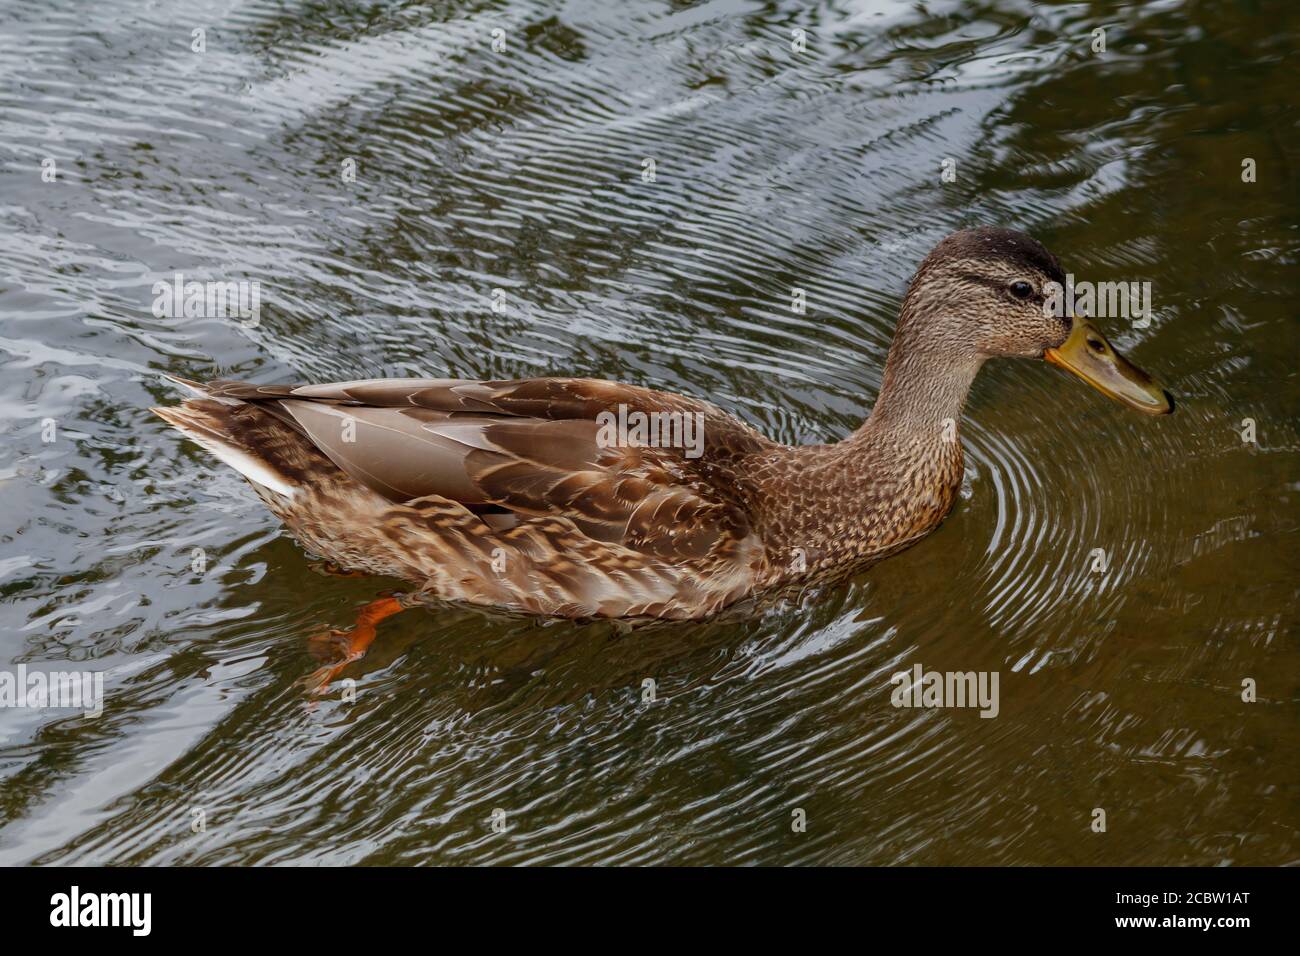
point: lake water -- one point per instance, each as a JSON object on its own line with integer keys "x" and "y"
{"x": 379, "y": 169}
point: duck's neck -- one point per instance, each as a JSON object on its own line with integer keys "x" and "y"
{"x": 887, "y": 484}
{"x": 923, "y": 391}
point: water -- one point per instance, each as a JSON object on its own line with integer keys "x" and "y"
{"x": 522, "y": 170}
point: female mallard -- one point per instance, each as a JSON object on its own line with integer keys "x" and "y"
{"x": 519, "y": 495}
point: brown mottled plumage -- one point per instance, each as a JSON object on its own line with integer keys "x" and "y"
{"x": 503, "y": 494}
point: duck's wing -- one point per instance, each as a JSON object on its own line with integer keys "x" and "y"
{"x": 536, "y": 447}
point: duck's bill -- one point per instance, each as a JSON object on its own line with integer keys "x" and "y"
{"x": 1087, "y": 354}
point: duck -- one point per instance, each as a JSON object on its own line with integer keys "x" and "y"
{"x": 583, "y": 498}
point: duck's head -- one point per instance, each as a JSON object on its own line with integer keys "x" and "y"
{"x": 983, "y": 292}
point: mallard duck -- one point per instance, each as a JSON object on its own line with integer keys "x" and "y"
{"x": 525, "y": 495}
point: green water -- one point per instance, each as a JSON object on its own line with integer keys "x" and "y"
{"x": 1120, "y": 690}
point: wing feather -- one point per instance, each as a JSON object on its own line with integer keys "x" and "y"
{"x": 532, "y": 448}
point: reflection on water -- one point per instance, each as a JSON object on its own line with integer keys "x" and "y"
{"x": 522, "y": 170}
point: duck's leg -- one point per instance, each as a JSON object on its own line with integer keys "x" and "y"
{"x": 351, "y": 645}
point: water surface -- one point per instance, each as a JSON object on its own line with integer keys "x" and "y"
{"x": 522, "y": 170}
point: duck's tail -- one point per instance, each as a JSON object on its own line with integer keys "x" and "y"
{"x": 215, "y": 423}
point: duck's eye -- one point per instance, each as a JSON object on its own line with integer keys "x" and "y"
{"x": 1021, "y": 289}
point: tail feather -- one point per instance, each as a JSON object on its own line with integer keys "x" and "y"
{"x": 198, "y": 389}
{"x": 202, "y": 423}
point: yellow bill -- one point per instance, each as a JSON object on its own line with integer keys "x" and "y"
{"x": 1087, "y": 354}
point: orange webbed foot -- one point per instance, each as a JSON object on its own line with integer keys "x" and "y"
{"x": 345, "y": 646}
